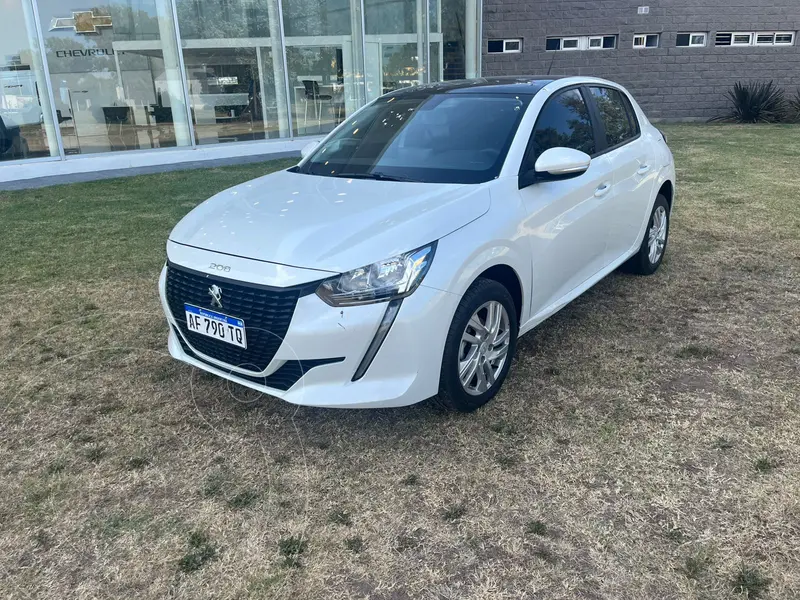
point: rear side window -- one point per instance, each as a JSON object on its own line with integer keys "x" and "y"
{"x": 563, "y": 122}
{"x": 616, "y": 114}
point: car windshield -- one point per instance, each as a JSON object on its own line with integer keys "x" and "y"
{"x": 431, "y": 138}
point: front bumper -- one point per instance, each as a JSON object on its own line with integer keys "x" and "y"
{"x": 330, "y": 343}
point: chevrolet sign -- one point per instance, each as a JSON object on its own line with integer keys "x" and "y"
{"x": 81, "y": 22}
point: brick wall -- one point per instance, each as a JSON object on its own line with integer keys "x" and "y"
{"x": 669, "y": 82}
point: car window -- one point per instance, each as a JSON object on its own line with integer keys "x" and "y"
{"x": 614, "y": 114}
{"x": 563, "y": 122}
{"x": 631, "y": 115}
{"x": 418, "y": 136}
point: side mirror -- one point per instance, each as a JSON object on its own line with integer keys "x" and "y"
{"x": 556, "y": 164}
{"x": 561, "y": 163}
{"x": 308, "y": 148}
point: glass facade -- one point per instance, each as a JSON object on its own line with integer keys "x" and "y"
{"x": 234, "y": 69}
{"x": 27, "y": 129}
{"x": 324, "y": 62}
{"x": 84, "y": 78}
{"x": 115, "y": 75}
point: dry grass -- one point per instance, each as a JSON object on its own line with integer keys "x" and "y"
{"x": 645, "y": 446}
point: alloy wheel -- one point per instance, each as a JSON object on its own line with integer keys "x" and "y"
{"x": 657, "y": 236}
{"x": 484, "y": 347}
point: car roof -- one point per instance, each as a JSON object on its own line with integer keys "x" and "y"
{"x": 528, "y": 85}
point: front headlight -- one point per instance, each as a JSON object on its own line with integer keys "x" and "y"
{"x": 395, "y": 277}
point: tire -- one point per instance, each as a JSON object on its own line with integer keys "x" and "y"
{"x": 482, "y": 297}
{"x": 641, "y": 263}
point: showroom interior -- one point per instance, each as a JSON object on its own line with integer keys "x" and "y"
{"x": 153, "y": 76}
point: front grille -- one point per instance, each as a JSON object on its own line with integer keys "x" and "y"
{"x": 266, "y": 312}
{"x": 282, "y": 379}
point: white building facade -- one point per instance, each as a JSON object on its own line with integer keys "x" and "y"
{"x": 89, "y": 87}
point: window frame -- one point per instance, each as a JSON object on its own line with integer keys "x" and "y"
{"x": 705, "y": 39}
{"x": 597, "y": 130}
{"x": 774, "y": 35}
{"x": 596, "y": 38}
{"x": 504, "y": 50}
{"x": 575, "y": 39}
{"x": 689, "y": 35}
{"x": 633, "y": 119}
{"x": 552, "y": 39}
{"x": 582, "y": 42}
{"x": 753, "y": 38}
{"x": 614, "y": 37}
{"x": 645, "y": 37}
{"x": 719, "y": 33}
{"x": 764, "y": 33}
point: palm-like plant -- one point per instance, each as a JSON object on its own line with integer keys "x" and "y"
{"x": 793, "y": 107}
{"x": 755, "y": 102}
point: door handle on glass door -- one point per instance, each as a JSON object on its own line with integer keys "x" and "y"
{"x": 602, "y": 190}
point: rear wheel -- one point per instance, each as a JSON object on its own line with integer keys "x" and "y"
{"x": 647, "y": 260}
{"x": 479, "y": 347}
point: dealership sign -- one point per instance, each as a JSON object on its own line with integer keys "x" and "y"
{"x": 81, "y": 22}
{"x": 87, "y": 52}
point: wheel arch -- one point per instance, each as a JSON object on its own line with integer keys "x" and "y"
{"x": 503, "y": 261}
{"x": 506, "y": 276}
{"x": 664, "y": 185}
{"x": 667, "y": 190}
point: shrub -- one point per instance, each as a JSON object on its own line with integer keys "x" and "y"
{"x": 793, "y": 107}
{"x": 755, "y": 103}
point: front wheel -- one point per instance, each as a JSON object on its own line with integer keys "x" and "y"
{"x": 647, "y": 260}
{"x": 479, "y": 347}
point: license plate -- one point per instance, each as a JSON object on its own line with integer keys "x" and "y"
{"x": 215, "y": 325}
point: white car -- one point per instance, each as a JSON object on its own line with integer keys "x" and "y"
{"x": 407, "y": 251}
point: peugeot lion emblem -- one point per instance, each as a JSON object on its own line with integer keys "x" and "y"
{"x": 216, "y": 295}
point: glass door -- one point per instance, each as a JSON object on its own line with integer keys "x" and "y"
{"x": 324, "y": 62}
{"x": 233, "y": 58}
{"x": 395, "y": 45}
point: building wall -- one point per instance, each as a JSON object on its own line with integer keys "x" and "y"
{"x": 669, "y": 82}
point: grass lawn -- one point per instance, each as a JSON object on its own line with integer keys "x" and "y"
{"x": 646, "y": 444}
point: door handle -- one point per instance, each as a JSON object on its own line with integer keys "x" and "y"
{"x": 643, "y": 169}
{"x": 602, "y": 190}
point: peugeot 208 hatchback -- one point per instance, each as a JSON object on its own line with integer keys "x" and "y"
{"x": 407, "y": 251}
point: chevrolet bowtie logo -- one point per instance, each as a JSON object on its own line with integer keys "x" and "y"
{"x": 81, "y": 22}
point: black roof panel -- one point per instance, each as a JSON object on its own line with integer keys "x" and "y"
{"x": 484, "y": 85}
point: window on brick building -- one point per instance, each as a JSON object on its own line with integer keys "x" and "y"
{"x": 754, "y": 38}
{"x": 645, "y": 40}
{"x": 504, "y": 46}
{"x": 690, "y": 40}
{"x": 581, "y": 42}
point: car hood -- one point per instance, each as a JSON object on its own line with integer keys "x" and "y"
{"x": 328, "y": 223}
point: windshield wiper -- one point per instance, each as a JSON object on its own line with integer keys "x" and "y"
{"x": 377, "y": 175}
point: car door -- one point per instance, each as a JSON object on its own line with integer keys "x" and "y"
{"x": 632, "y": 158}
{"x": 564, "y": 220}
